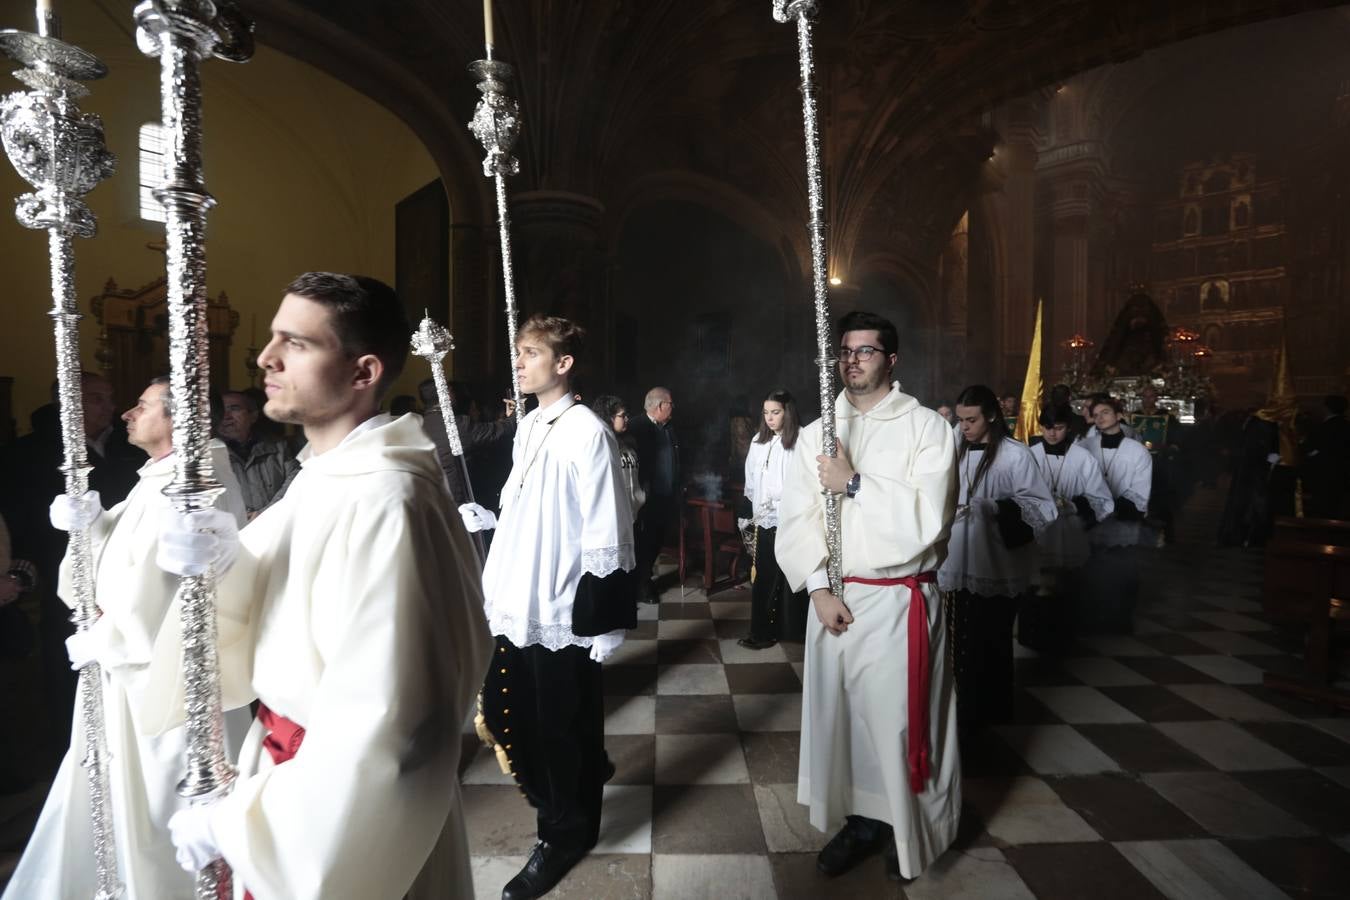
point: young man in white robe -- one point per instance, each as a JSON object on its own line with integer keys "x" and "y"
{"x": 1045, "y": 622}
{"x": 1127, "y": 468}
{"x": 361, "y": 591}
{"x": 878, "y": 738}
{"x": 138, "y": 619}
{"x": 560, "y": 594}
{"x": 991, "y": 558}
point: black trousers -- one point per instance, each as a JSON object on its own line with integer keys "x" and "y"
{"x": 546, "y": 707}
{"x": 776, "y": 614}
{"x": 982, "y": 656}
{"x": 1045, "y": 620}
{"x": 653, "y": 524}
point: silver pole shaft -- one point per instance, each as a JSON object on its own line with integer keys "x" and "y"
{"x": 181, "y": 33}
{"x": 509, "y": 288}
{"x": 62, "y": 153}
{"x": 802, "y": 11}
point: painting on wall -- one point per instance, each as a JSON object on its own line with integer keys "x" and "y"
{"x": 1214, "y": 294}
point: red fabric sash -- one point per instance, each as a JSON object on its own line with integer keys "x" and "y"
{"x": 919, "y": 671}
{"x": 282, "y": 742}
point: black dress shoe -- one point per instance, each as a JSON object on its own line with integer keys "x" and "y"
{"x": 848, "y": 848}
{"x": 891, "y": 856}
{"x": 750, "y": 643}
{"x": 649, "y": 594}
{"x": 543, "y": 870}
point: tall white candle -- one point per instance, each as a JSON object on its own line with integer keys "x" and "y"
{"x": 487, "y": 26}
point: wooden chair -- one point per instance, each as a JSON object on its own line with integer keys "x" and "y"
{"x": 716, "y": 533}
{"x": 1307, "y": 582}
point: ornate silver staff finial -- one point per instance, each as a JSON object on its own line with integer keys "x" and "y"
{"x": 181, "y": 33}
{"x": 60, "y": 151}
{"x": 432, "y": 341}
{"x": 496, "y": 124}
{"x": 802, "y": 12}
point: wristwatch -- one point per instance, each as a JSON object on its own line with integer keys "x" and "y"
{"x": 851, "y": 489}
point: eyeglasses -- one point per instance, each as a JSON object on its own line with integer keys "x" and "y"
{"x": 862, "y": 354}
{"x": 621, "y": 415}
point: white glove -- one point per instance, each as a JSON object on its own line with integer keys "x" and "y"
{"x": 189, "y": 543}
{"x": 604, "y": 645}
{"x": 84, "y": 647}
{"x": 1273, "y": 458}
{"x": 75, "y": 513}
{"x": 984, "y": 507}
{"x": 193, "y": 841}
{"x": 477, "y": 518}
{"x": 742, "y": 524}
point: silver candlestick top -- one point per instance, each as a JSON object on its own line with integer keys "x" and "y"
{"x": 60, "y": 151}
{"x": 496, "y": 124}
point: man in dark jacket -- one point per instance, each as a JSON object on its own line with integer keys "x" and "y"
{"x": 262, "y": 465}
{"x": 658, "y": 450}
{"x": 472, "y": 436}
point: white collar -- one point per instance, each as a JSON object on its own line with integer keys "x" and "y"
{"x": 555, "y": 409}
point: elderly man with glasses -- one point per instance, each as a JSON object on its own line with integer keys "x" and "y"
{"x": 658, "y": 450}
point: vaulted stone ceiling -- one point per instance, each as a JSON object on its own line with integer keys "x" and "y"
{"x": 626, "y": 97}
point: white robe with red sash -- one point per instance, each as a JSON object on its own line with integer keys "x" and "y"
{"x": 855, "y": 737}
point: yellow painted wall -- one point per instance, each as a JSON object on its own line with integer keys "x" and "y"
{"x": 305, "y": 172}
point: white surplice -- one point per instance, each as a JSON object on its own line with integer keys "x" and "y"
{"x": 137, "y": 601}
{"x": 359, "y": 590}
{"x": 1128, "y": 472}
{"x": 978, "y": 560}
{"x": 565, "y": 513}
{"x": 1075, "y": 473}
{"x": 855, "y": 721}
{"x": 766, "y": 466}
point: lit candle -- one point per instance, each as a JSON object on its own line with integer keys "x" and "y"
{"x": 487, "y": 26}
{"x": 45, "y": 14}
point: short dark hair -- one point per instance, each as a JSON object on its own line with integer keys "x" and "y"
{"x": 607, "y": 406}
{"x": 250, "y": 400}
{"x": 563, "y": 336}
{"x": 859, "y": 320}
{"x": 1057, "y": 414}
{"x": 366, "y": 316}
{"x": 1105, "y": 400}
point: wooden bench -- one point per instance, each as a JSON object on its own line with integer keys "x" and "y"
{"x": 1307, "y": 582}
{"x": 716, "y": 533}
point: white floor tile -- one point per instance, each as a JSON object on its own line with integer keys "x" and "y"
{"x": 1056, "y": 750}
{"x": 974, "y": 874}
{"x": 1025, "y": 810}
{"x": 726, "y": 877}
{"x": 1228, "y": 702}
{"x": 1118, "y": 645}
{"x": 1230, "y": 642}
{"x": 1227, "y": 746}
{"x": 491, "y": 873}
{"x": 625, "y": 819}
{"x": 630, "y": 715}
{"x": 633, "y": 653}
{"x": 700, "y": 759}
{"x": 1102, "y": 671}
{"x": 1080, "y": 705}
{"x": 786, "y": 824}
{"x": 1198, "y": 870}
{"x": 1230, "y": 621}
{"x": 1225, "y": 668}
{"x": 692, "y": 679}
{"x": 733, "y": 653}
{"x": 1223, "y": 807}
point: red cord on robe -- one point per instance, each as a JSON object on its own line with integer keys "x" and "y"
{"x": 917, "y": 753}
{"x": 282, "y": 742}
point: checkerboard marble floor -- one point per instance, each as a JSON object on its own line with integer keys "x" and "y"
{"x": 1154, "y": 765}
{"x": 1142, "y": 766}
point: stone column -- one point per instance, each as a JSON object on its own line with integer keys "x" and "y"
{"x": 1071, "y": 188}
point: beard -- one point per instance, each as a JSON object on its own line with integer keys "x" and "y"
{"x": 863, "y": 382}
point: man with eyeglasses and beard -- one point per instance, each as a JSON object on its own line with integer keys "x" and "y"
{"x": 878, "y": 740}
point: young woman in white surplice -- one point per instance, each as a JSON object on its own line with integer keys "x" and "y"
{"x": 776, "y": 612}
{"x": 139, "y": 621}
{"x": 991, "y": 559}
